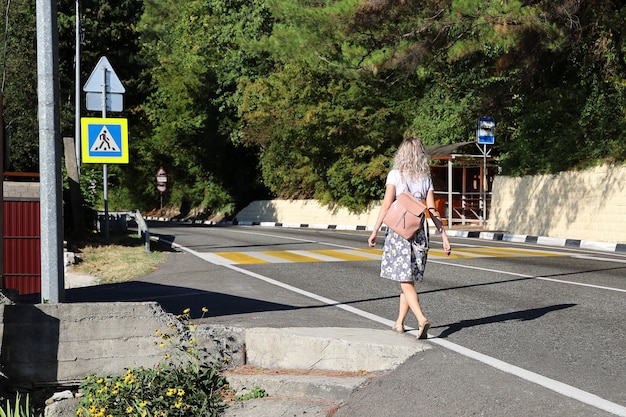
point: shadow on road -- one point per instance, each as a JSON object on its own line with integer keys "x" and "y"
{"x": 523, "y": 315}
{"x": 175, "y": 299}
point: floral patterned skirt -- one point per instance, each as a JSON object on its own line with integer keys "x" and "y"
{"x": 405, "y": 260}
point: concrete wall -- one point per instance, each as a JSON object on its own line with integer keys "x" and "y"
{"x": 585, "y": 205}
{"x": 296, "y": 212}
{"x": 51, "y": 343}
{"x": 20, "y": 190}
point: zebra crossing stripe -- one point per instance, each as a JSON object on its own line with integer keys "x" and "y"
{"x": 241, "y": 258}
{"x": 346, "y": 255}
{"x": 361, "y": 254}
{"x": 293, "y": 256}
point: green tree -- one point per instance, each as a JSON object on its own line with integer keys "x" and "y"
{"x": 194, "y": 71}
{"x": 19, "y": 87}
{"x": 310, "y": 98}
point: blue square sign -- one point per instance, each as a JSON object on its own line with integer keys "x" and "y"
{"x": 104, "y": 140}
{"x": 485, "y": 130}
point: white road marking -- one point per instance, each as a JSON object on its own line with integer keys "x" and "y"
{"x": 551, "y": 384}
{"x": 537, "y": 277}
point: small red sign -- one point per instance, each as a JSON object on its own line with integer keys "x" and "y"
{"x": 161, "y": 176}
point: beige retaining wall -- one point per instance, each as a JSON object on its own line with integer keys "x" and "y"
{"x": 296, "y": 212}
{"x": 585, "y": 205}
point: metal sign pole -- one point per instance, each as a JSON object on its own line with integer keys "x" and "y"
{"x": 77, "y": 88}
{"x": 105, "y": 173}
{"x": 110, "y": 90}
{"x": 485, "y": 185}
{"x": 485, "y": 136}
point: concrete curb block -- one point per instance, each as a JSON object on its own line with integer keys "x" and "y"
{"x": 311, "y": 387}
{"x": 329, "y": 348}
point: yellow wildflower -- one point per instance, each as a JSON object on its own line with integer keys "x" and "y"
{"x": 186, "y": 311}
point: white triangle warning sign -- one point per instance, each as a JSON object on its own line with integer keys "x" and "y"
{"x": 104, "y": 142}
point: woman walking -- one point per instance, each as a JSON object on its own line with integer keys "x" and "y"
{"x": 404, "y": 260}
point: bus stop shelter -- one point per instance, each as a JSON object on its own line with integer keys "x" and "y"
{"x": 463, "y": 177}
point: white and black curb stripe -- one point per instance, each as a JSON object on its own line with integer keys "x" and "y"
{"x": 541, "y": 240}
{"x": 506, "y": 237}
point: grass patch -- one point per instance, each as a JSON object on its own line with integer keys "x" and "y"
{"x": 123, "y": 258}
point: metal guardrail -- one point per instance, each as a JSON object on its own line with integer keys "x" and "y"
{"x": 142, "y": 228}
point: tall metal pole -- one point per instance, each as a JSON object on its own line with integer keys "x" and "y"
{"x": 52, "y": 268}
{"x": 105, "y": 171}
{"x": 450, "y": 209}
{"x": 77, "y": 87}
{"x": 484, "y": 184}
{"x": 2, "y": 156}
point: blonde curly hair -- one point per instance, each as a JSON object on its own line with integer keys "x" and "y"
{"x": 411, "y": 159}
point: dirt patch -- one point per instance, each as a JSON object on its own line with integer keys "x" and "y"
{"x": 252, "y": 370}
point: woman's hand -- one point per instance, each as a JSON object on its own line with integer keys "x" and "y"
{"x": 447, "y": 249}
{"x": 372, "y": 239}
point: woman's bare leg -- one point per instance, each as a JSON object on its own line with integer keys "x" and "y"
{"x": 402, "y": 312}
{"x": 411, "y": 299}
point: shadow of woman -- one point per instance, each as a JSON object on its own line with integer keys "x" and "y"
{"x": 523, "y": 315}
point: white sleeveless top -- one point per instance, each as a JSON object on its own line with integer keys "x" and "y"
{"x": 419, "y": 188}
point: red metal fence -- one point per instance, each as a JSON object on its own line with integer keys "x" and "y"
{"x": 22, "y": 249}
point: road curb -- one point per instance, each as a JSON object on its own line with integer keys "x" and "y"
{"x": 476, "y": 234}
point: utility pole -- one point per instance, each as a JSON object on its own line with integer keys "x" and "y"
{"x": 52, "y": 268}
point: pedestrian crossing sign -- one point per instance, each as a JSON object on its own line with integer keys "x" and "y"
{"x": 104, "y": 140}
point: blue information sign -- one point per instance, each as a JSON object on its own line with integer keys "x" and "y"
{"x": 485, "y": 130}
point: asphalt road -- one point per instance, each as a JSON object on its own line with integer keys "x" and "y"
{"x": 555, "y": 316}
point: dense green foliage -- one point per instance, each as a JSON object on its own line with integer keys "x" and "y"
{"x": 298, "y": 98}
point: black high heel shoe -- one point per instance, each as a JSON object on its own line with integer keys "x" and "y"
{"x": 422, "y": 330}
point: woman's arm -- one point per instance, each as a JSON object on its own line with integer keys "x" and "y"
{"x": 430, "y": 203}
{"x": 390, "y": 196}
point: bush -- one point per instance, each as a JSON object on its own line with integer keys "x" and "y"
{"x": 166, "y": 390}
{"x": 179, "y": 386}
